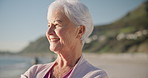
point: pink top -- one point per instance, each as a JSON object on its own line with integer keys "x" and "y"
{"x": 48, "y": 74}
{"x": 82, "y": 69}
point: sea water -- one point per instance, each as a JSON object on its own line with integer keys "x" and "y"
{"x": 14, "y": 66}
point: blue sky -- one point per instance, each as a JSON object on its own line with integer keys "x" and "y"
{"x": 23, "y": 21}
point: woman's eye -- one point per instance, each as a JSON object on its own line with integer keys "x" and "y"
{"x": 56, "y": 25}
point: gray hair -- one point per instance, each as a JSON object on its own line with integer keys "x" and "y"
{"x": 77, "y": 12}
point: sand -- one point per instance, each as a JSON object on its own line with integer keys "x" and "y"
{"x": 121, "y": 65}
{"x": 116, "y": 65}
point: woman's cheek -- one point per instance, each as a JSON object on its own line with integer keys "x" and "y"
{"x": 60, "y": 32}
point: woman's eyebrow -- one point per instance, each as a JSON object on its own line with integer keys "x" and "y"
{"x": 58, "y": 20}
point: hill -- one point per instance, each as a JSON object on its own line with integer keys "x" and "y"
{"x": 39, "y": 45}
{"x": 128, "y": 34}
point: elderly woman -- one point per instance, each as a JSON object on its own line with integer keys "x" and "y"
{"x": 69, "y": 25}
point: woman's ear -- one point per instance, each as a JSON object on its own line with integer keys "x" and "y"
{"x": 81, "y": 31}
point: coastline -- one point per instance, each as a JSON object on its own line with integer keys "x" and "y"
{"x": 116, "y": 65}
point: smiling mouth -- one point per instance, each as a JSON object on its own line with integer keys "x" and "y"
{"x": 54, "y": 39}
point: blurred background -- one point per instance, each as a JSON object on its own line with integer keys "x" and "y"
{"x": 118, "y": 44}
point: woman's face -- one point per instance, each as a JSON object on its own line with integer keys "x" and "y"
{"x": 61, "y": 33}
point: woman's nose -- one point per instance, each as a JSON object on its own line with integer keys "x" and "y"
{"x": 50, "y": 30}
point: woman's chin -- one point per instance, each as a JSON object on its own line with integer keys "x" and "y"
{"x": 55, "y": 48}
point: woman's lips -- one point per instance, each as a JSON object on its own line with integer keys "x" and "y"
{"x": 54, "y": 39}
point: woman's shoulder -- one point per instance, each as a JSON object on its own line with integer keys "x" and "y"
{"x": 42, "y": 66}
{"x": 35, "y": 69}
{"x": 89, "y": 71}
{"x": 83, "y": 63}
{"x": 38, "y": 67}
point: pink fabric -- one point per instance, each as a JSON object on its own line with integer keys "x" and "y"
{"x": 48, "y": 74}
{"x": 66, "y": 76}
{"x": 82, "y": 69}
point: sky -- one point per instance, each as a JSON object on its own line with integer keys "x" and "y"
{"x": 23, "y": 21}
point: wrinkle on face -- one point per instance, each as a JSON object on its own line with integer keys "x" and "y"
{"x": 64, "y": 29}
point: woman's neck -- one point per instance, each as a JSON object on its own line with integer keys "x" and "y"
{"x": 68, "y": 60}
{"x": 68, "y": 56}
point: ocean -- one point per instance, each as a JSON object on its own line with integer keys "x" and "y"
{"x": 12, "y": 66}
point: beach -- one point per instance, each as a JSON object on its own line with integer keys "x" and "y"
{"x": 116, "y": 65}
{"x": 121, "y": 65}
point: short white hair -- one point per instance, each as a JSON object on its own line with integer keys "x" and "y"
{"x": 77, "y": 12}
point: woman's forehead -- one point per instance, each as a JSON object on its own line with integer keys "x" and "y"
{"x": 57, "y": 16}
